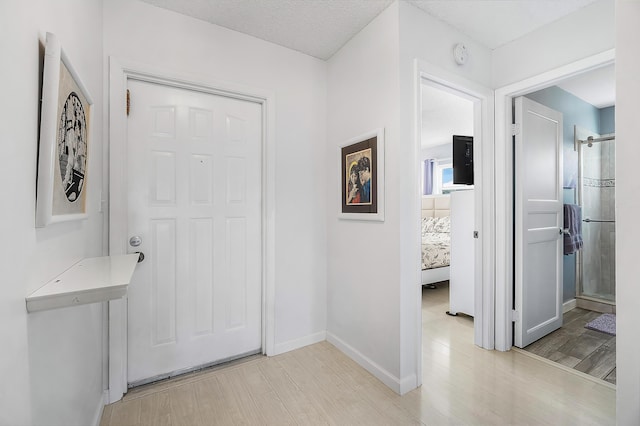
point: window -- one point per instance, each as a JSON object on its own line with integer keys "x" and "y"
{"x": 442, "y": 178}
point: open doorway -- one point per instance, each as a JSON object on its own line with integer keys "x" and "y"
{"x": 508, "y": 314}
{"x": 479, "y": 286}
{"x": 584, "y": 337}
{"x": 482, "y": 100}
{"x": 447, "y": 219}
{"x": 447, "y": 190}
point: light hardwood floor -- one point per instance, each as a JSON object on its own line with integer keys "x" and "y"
{"x": 462, "y": 384}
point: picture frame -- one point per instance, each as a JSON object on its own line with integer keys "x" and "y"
{"x": 64, "y": 140}
{"x": 362, "y": 177}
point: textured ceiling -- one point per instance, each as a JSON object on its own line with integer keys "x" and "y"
{"x": 316, "y": 27}
{"x": 497, "y": 22}
{"x": 320, "y": 27}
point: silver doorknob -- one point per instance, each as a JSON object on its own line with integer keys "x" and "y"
{"x": 135, "y": 241}
{"x": 565, "y": 231}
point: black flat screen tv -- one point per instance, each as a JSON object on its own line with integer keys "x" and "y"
{"x": 463, "y": 160}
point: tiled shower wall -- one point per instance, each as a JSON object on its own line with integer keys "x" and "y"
{"x": 598, "y": 202}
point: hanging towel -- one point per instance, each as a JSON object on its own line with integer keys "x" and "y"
{"x": 572, "y": 222}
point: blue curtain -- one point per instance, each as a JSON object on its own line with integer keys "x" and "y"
{"x": 427, "y": 187}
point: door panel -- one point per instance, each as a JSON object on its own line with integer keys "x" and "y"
{"x": 201, "y": 274}
{"x": 538, "y": 221}
{"x": 163, "y": 281}
{"x": 194, "y": 197}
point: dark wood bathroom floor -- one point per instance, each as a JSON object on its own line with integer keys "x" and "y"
{"x": 589, "y": 351}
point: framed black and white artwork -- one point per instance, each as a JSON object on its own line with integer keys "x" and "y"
{"x": 64, "y": 140}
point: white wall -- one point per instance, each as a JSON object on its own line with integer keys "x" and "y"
{"x": 178, "y": 45}
{"x": 583, "y": 33}
{"x": 363, "y": 264}
{"x": 627, "y": 211}
{"x": 51, "y": 361}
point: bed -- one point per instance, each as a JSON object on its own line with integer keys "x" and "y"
{"x": 436, "y": 239}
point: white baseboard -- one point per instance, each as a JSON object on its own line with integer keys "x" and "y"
{"x": 568, "y": 305}
{"x": 397, "y": 385}
{"x": 100, "y": 409}
{"x": 291, "y": 345}
{"x": 408, "y": 384}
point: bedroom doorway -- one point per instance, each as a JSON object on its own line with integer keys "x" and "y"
{"x": 436, "y": 88}
{"x": 447, "y": 189}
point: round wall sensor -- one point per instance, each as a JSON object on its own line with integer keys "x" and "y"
{"x": 460, "y": 53}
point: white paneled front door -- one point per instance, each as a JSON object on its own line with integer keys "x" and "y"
{"x": 194, "y": 202}
{"x": 538, "y": 221}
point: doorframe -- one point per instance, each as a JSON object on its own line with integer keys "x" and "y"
{"x": 483, "y": 123}
{"x": 119, "y": 73}
{"x": 504, "y": 174}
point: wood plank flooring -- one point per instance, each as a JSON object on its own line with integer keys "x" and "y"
{"x": 317, "y": 384}
{"x": 574, "y": 346}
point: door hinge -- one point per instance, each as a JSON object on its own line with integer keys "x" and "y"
{"x": 128, "y": 102}
{"x": 515, "y": 129}
{"x": 515, "y": 316}
{"x": 475, "y": 234}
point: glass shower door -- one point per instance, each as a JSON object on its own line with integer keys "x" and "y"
{"x": 597, "y": 270}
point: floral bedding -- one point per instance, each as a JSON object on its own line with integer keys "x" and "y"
{"x": 436, "y": 242}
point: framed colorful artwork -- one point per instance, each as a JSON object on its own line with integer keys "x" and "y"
{"x": 64, "y": 140}
{"x": 362, "y": 177}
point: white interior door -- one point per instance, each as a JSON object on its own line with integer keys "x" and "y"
{"x": 194, "y": 201}
{"x": 538, "y": 221}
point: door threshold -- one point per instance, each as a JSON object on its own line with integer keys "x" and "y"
{"x": 189, "y": 375}
{"x": 565, "y": 368}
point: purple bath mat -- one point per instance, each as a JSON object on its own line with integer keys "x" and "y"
{"x": 605, "y": 323}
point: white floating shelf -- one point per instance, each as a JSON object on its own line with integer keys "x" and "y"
{"x": 91, "y": 280}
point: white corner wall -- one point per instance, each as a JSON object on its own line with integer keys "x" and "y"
{"x": 581, "y": 34}
{"x": 363, "y": 288}
{"x": 51, "y": 361}
{"x": 174, "y": 44}
{"x": 627, "y": 211}
{"x": 374, "y": 268}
